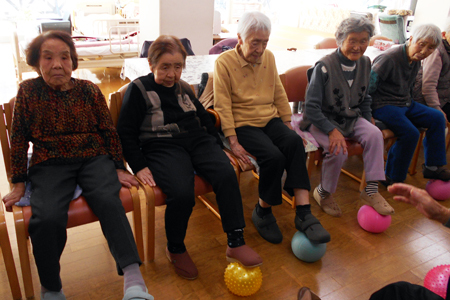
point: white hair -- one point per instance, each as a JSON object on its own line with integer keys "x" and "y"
{"x": 253, "y": 21}
{"x": 427, "y": 31}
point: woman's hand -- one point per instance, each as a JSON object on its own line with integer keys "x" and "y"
{"x": 126, "y": 179}
{"x": 421, "y": 200}
{"x": 337, "y": 141}
{"x": 288, "y": 124}
{"x": 14, "y": 196}
{"x": 238, "y": 150}
{"x": 145, "y": 175}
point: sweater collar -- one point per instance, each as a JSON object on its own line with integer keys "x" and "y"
{"x": 241, "y": 60}
{"x": 344, "y": 60}
{"x": 160, "y": 88}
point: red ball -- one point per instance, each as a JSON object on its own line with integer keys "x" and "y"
{"x": 370, "y": 220}
{"x": 436, "y": 280}
{"x": 438, "y": 189}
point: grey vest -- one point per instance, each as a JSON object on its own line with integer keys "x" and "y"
{"x": 341, "y": 102}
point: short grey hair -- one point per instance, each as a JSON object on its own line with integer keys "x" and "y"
{"x": 427, "y": 31}
{"x": 353, "y": 24}
{"x": 253, "y": 21}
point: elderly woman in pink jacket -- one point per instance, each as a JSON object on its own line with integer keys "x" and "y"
{"x": 432, "y": 85}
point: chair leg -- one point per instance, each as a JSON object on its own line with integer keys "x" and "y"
{"x": 22, "y": 244}
{"x": 5, "y": 245}
{"x": 137, "y": 218}
{"x": 288, "y": 199}
{"x": 412, "y": 168}
{"x": 363, "y": 181}
{"x": 310, "y": 163}
{"x": 150, "y": 197}
{"x": 210, "y": 206}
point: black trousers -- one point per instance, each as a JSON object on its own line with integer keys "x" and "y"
{"x": 405, "y": 291}
{"x": 276, "y": 148}
{"x": 53, "y": 187}
{"x": 173, "y": 162}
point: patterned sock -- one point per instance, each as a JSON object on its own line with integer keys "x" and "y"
{"x": 263, "y": 211}
{"x": 132, "y": 277}
{"x": 303, "y": 210}
{"x": 322, "y": 192}
{"x": 371, "y": 187}
{"x": 235, "y": 238}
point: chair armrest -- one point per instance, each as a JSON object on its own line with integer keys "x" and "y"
{"x": 214, "y": 115}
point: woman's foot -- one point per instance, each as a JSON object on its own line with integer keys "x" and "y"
{"x": 312, "y": 228}
{"x": 244, "y": 255}
{"x": 184, "y": 266}
{"x": 377, "y": 202}
{"x": 49, "y": 295}
{"x": 327, "y": 203}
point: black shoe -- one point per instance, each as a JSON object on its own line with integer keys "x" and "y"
{"x": 267, "y": 227}
{"x": 312, "y": 228}
{"x": 441, "y": 173}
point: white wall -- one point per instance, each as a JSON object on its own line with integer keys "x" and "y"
{"x": 191, "y": 19}
{"x": 432, "y": 11}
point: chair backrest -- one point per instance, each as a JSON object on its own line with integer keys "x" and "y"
{"x": 219, "y": 47}
{"x": 5, "y": 129}
{"x": 186, "y": 43}
{"x": 115, "y": 103}
{"x": 295, "y": 82}
{"x": 326, "y": 43}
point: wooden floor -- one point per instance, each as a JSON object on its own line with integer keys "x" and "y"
{"x": 356, "y": 262}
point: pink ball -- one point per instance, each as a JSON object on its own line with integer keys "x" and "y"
{"x": 438, "y": 189}
{"x": 370, "y": 220}
{"x": 436, "y": 280}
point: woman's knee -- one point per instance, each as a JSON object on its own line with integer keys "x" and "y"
{"x": 182, "y": 196}
{"x": 48, "y": 222}
{"x": 336, "y": 158}
{"x": 411, "y": 136}
{"x": 372, "y": 135}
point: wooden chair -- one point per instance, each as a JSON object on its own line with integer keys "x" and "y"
{"x": 295, "y": 82}
{"x": 8, "y": 258}
{"x": 79, "y": 211}
{"x": 154, "y": 195}
{"x": 326, "y": 43}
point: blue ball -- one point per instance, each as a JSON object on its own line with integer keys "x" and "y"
{"x": 305, "y": 250}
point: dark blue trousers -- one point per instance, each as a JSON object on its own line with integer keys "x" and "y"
{"x": 404, "y": 121}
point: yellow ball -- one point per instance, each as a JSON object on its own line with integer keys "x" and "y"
{"x": 242, "y": 281}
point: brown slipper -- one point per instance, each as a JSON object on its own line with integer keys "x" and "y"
{"x": 377, "y": 202}
{"x": 244, "y": 255}
{"x": 327, "y": 204}
{"x": 184, "y": 266}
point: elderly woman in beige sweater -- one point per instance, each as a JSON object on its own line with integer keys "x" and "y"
{"x": 255, "y": 117}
